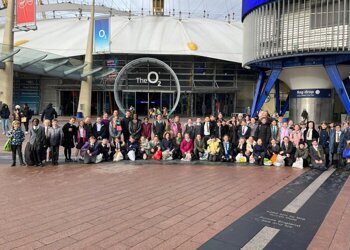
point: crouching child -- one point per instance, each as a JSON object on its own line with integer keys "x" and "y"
{"x": 89, "y": 151}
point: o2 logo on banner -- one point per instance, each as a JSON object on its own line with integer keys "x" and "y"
{"x": 150, "y": 79}
{"x": 102, "y": 35}
{"x": 24, "y": 3}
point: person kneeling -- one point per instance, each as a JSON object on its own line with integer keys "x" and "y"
{"x": 318, "y": 160}
{"x": 226, "y": 150}
{"x": 186, "y": 148}
{"x": 104, "y": 150}
{"x": 301, "y": 156}
{"x": 89, "y": 151}
{"x": 259, "y": 153}
{"x": 132, "y": 149}
{"x": 213, "y": 148}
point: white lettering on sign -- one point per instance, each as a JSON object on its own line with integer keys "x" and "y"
{"x": 152, "y": 78}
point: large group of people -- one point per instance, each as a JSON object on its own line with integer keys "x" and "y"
{"x": 261, "y": 140}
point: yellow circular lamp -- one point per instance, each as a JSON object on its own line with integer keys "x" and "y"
{"x": 192, "y": 46}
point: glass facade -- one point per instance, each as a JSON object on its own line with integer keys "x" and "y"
{"x": 289, "y": 27}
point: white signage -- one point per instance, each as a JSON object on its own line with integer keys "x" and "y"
{"x": 152, "y": 78}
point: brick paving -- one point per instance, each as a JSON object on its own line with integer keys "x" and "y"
{"x": 335, "y": 229}
{"x": 121, "y": 206}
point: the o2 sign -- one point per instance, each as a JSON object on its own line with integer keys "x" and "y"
{"x": 152, "y": 78}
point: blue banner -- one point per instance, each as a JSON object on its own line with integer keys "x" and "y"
{"x": 102, "y": 35}
{"x": 310, "y": 93}
{"x": 249, "y": 5}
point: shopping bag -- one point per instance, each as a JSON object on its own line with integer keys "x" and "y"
{"x": 274, "y": 158}
{"x": 7, "y": 146}
{"x": 118, "y": 156}
{"x": 346, "y": 153}
{"x": 132, "y": 155}
{"x": 298, "y": 163}
{"x": 267, "y": 162}
{"x": 99, "y": 158}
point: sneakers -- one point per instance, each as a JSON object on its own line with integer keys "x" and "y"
{"x": 13, "y": 164}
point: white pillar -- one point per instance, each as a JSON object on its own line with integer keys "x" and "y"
{"x": 86, "y": 86}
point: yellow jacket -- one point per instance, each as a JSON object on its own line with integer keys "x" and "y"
{"x": 213, "y": 146}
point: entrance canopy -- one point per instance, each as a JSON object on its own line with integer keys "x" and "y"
{"x": 49, "y": 64}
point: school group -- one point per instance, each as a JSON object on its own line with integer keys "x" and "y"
{"x": 261, "y": 140}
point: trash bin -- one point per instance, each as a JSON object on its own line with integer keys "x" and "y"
{"x": 79, "y": 115}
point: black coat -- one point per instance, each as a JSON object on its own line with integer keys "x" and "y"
{"x": 242, "y": 150}
{"x": 246, "y": 135}
{"x": 99, "y": 135}
{"x": 125, "y": 127}
{"x": 315, "y": 134}
{"x": 49, "y": 113}
{"x": 159, "y": 129}
{"x": 167, "y": 144}
{"x": 263, "y": 132}
{"x": 69, "y": 133}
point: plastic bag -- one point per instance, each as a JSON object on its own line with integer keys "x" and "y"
{"x": 7, "y": 146}
{"x": 118, "y": 156}
{"x": 346, "y": 153}
{"x": 298, "y": 163}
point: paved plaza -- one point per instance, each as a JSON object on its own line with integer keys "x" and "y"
{"x": 152, "y": 205}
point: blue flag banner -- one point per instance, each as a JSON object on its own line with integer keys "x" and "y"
{"x": 102, "y": 35}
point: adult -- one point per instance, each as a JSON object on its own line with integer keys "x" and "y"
{"x": 125, "y": 125}
{"x": 135, "y": 127}
{"x": 17, "y": 114}
{"x": 99, "y": 130}
{"x": 49, "y": 113}
{"x": 244, "y": 130}
{"x": 323, "y": 140}
{"x": 318, "y": 160}
{"x": 263, "y": 131}
{"x": 310, "y": 133}
{"x": 69, "y": 132}
{"x": 334, "y": 140}
{"x": 55, "y": 140}
{"x": 146, "y": 129}
{"x": 5, "y": 115}
{"x": 36, "y": 141}
{"x": 27, "y": 115}
{"x": 159, "y": 127}
{"x": 287, "y": 150}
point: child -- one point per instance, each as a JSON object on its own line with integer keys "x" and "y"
{"x": 199, "y": 148}
{"x": 226, "y": 149}
{"x": 259, "y": 152}
{"x": 117, "y": 153}
{"x": 213, "y": 148}
{"x": 55, "y": 139}
{"x": 17, "y": 137}
{"x": 104, "y": 149}
{"x": 145, "y": 148}
{"x": 177, "y": 152}
{"x": 167, "y": 147}
{"x": 273, "y": 148}
{"x": 186, "y": 148}
{"x": 90, "y": 151}
{"x": 132, "y": 148}
{"x": 302, "y": 154}
{"x": 81, "y": 138}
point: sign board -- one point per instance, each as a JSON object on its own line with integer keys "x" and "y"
{"x": 102, "y": 35}
{"x": 25, "y": 12}
{"x": 310, "y": 93}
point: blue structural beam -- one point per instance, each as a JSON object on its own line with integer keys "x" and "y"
{"x": 258, "y": 89}
{"x": 338, "y": 84}
{"x": 277, "y": 97}
{"x": 266, "y": 91}
{"x": 285, "y": 107}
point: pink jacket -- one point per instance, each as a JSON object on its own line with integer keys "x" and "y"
{"x": 186, "y": 146}
{"x": 295, "y": 138}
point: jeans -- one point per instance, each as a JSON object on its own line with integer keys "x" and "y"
{"x": 5, "y": 125}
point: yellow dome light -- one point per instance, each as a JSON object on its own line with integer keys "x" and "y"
{"x": 192, "y": 46}
{"x": 20, "y": 42}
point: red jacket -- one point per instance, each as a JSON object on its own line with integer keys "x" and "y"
{"x": 186, "y": 146}
{"x": 146, "y": 130}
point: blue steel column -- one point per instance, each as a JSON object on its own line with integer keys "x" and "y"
{"x": 266, "y": 91}
{"x": 258, "y": 89}
{"x": 277, "y": 97}
{"x": 338, "y": 84}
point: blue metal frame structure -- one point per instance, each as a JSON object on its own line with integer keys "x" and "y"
{"x": 258, "y": 89}
{"x": 338, "y": 84}
{"x": 263, "y": 92}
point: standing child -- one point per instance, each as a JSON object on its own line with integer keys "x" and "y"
{"x": 17, "y": 137}
{"x": 55, "y": 139}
